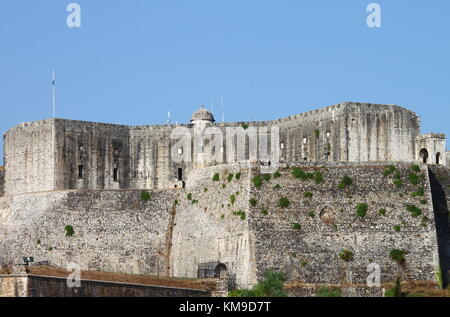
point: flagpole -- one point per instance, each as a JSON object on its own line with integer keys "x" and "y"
{"x": 53, "y": 84}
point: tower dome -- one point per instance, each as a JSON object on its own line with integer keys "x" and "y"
{"x": 202, "y": 114}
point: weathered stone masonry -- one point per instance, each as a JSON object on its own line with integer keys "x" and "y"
{"x": 59, "y": 154}
{"x": 61, "y": 173}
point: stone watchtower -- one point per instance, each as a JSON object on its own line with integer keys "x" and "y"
{"x": 201, "y": 119}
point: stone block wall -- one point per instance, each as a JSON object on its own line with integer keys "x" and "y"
{"x": 208, "y": 228}
{"x": 29, "y": 157}
{"x": 305, "y": 239}
{"x": 114, "y": 231}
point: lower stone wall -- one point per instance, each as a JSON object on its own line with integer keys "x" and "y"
{"x": 208, "y": 230}
{"x": 306, "y": 238}
{"x": 343, "y": 291}
{"x": 49, "y": 286}
{"x": 113, "y": 231}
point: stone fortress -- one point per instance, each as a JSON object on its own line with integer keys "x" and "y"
{"x": 91, "y": 175}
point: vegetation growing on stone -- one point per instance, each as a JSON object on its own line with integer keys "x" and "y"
{"x": 216, "y": 177}
{"x": 346, "y": 255}
{"x": 415, "y": 168}
{"x": 38, "y": 242}
{"x": 415, "y": 211}
{"x": 424, "y": 202}
{"x": 382, "y": 212}
{"x": 241, "y": 214}
{"x": 308, "y": 195}
{"x": 264, "y": 211}
{"x": 194, "y": 201}
{"x": 297, "y": 172}
{"x": 283, "y": 202}
{"x": 205, "y": 190}
{"x": 413, "y": 178}
{"x": 397, "y": 255}
{"x": 398, "y": 182}
{"x": 223, "y": 186}
{"x": 277, "y": 186}
{"x": 296, "y": 226}
{"x": 389, "y": 170}
{"x": 257, "y": 181}
{"x": 238, "y": 176}
{"x": 253, "y": 202}
{"x": 270, "y": 286}
{"x": 325, "y": 291}
{"x": 230, "y": 177}
{"x": 145, "y": 195}
{"x": 317, "y": 133}
{"x": 361, "y": 209}
{"x": 276, "y": 174}
{"x": 397, "y": 228}
{"x": 420, "y": 192}
{"x": 69, "y": 231}
{"x": 175, "y": 202}
{"x": 189, "y": 196}
{"x": 232, "y": 199}
{"x": 345, "y": 182}
{"x": 267, "y": 177}
{"x": 396, "y": 291}
{"x": 318, "y": 177}
{"x": 245, "y": 126}
{"x": 311, "y": 214}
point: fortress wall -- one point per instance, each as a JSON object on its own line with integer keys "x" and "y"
{"x": 29, "y": 157}
{"x": 208, "y": 231}
{"x": 2, "y": 181}
{"x": 115, "y": 231}
{"x": 95, "y": 148}
{"x": 150, "y": 158}
{"x": 381, "y": 134}
{"x": 329, "y": 223}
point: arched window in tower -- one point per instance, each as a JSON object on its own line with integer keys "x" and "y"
{"x": 438, "y": 158}
{"x": 423, "y": 155}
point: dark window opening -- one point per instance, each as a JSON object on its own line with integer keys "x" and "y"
{"x": 438, "y": 158}
{"x": 80, "y": 171}
{"x": 423, "y": 154}
{"x": 116, "y": 174}
{"x": 180, "y": 174}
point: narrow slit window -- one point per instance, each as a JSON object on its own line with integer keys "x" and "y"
{"x": 116, "y": 174}
{"x": 80, "y": 171}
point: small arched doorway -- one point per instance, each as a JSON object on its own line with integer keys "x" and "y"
{"x": 423, "y": 155}
{"x": 221, "y": 271}
{"x": 438, "y": 158}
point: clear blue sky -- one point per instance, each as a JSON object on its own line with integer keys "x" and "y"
{"x": 132, "y": 61}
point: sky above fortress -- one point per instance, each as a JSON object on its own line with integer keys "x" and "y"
{"x": 132, "y": 61}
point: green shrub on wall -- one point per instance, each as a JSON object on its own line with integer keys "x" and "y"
{"x": 415, "y": 211}
{"x": 346, "y": 255}
{"x": 328, "y": 292}
{"x": 382, "y": 212}
{"x": 270, "y": 286}
{"x": 189, "y": 196}
{"x": 276, "y": 174}
{"x": 232, "y": 199}
{"x": 69, "y": 231}
{"x": 257, "y": 181}
{"x": 283, "y": 202}
{"x": 253, "y": 202}
{"x": 238, "y": 176}
{"x": 398, "y": 256}
{"x": 345, "y": 182}
{"x": 230, "y": 177}
{"x": 145, "y": 195}
{"x": 296, "y": 226}
{"x": 216, "y": 177}
{"x": 361, "y": 210}
{"x": 389, "y": 170}
{"x": 308, "y": 195}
